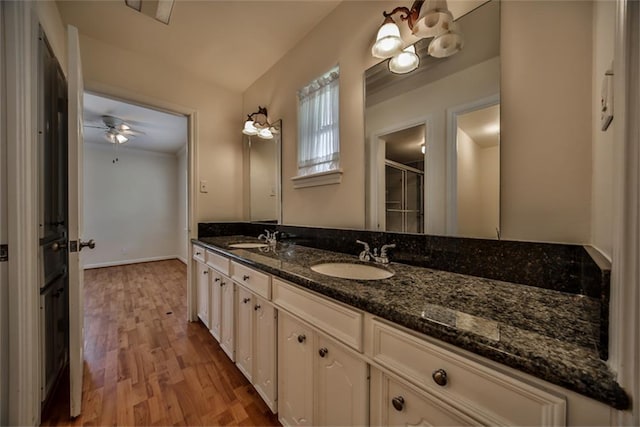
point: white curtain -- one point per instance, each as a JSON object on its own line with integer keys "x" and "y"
{"x": 318, "y": 127}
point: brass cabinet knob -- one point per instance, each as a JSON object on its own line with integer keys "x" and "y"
{"x": 205, "y": 272}
{"x": 257, "y": 307}
{"x": 323, "y": 352}
{"x": 246, "y": 300}
{"x": 301, "y": 338}
{"x": 440, "y": 377}
{"x": 217, "y": 279}
{"x": 398, "y": 403}
{"x": 245, "y": 277}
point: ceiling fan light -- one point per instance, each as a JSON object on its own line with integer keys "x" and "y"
{"x": 446, "y": 44}
{"x": 121, "y": 138}
{"x": 265, "y": 133}
{"x": 249, "y": 128}
{"x": 388, "y": 41}
{"x": 404, "y": 62}
{"x": 434, "y": 19}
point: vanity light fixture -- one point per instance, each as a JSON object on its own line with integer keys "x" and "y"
{"x": 426, "y": 19}
{"x": 258, "y": 124}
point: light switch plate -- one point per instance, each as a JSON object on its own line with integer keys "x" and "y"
{"x": 203, "y": 186}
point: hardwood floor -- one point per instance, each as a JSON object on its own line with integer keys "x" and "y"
{"x": 146, "y": 365}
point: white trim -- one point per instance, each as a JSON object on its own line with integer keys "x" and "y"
{"x": 451, "y": 180}
{"x": 20, "y": 26}
{"x": 4, "y": 287}
{"x": 317, "y": 179}
{"x": 182, "y": 260}
{"x": 624, "y": 342}
{"x": 192, "y": 166}
{"x": 133, "y": 261}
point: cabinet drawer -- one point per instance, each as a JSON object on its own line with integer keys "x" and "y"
{"x": 198, "y": 252}
{"x": 493, "y": 396}
{"x": 255, "y": 281}
{"x": 218, "y": 262}
{"x": 335, "y": 319}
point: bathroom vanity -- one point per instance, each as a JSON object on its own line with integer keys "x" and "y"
{"x": 422, "y": 346}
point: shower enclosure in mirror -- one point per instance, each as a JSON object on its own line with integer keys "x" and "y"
{"x": 264, "y": 176}
{"x": 432, "y": 137}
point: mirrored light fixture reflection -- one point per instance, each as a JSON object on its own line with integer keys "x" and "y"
{"x": 258, "y": 124}
{"x": 426, "y": 19}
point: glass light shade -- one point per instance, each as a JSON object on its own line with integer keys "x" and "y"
{"x": 249, "y": 128}
{"x": 388, "y": 42}
{"x": 121, "y": 138}
{"x": 434, "y": 19}
{"x": 404, "y": 62}
{"x": 265, "y": 133}
{"x": 423, "y": 148}
{"x": 446, "y": 45}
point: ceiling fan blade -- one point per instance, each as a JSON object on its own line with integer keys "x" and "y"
{"x": 132, "y": 132}
{"x": 95, "y": 127}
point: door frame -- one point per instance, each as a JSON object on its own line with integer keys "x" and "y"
{"x": 21, "y": 31}
{"x": 132, "y": 97}
{"x": 375, "y": 162}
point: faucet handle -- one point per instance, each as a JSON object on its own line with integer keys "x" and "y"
{"x": 366, "y": 245}
{"x": 383, "y": 249}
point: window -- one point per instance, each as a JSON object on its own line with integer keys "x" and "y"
{"x": 318, "y": 125}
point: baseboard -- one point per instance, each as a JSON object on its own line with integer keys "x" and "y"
{"x": 182, "y": 260}
{"x": 131, "y": 261}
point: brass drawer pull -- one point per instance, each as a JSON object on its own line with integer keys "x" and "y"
{"x": 440, "y": 377}
{"x": 398, "y": 403}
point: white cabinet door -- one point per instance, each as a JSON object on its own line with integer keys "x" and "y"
{"x": 341, "y": 386}
{"x": 215, "y": 303}
{"x": 395, "y": 404}
{"x": 244, "y": 331}
{"x": 264, "y": 364}
{"x": 227, "y": 320}
{"x": 203, "y": 293}
{"x": 295, "y": 372}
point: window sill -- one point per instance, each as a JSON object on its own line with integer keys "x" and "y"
{"x": 318, "y": 179}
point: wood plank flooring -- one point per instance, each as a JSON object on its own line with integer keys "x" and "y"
{"x": 146, "y": 365}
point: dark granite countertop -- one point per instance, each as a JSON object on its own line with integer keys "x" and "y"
{"x": 545, "y": 333}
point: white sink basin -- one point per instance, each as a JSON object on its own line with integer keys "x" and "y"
{"x": 248, "y": 245}
{"x": 352, "y": 271}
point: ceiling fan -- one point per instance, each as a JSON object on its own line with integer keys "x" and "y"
{"x": 116, "y": 130}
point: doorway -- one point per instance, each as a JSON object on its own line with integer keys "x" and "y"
{"x": 404, "y": 180}
{"x": 135, "y": 182}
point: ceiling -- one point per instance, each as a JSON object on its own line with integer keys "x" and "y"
{"x": 482, "y": 126}
{"x": 163, "y": 132}
{"x": 405, "y": 146}
{"x": 229, "y": 43}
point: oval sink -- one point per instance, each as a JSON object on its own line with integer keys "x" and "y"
{"x": 248, "y": 245}
{"x": 345, "y": 270}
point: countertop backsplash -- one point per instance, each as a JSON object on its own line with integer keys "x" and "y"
{"x": 573, "y": 269}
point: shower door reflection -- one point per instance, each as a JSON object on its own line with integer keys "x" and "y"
{"x": 404, "y": 198}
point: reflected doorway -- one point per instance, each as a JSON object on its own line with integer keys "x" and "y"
{"x": 404, "y": 180}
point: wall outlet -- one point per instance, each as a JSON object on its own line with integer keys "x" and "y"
{"x": 203, "y": 186}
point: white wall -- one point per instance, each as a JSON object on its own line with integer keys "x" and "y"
{"x": 130, "y": 207}
{"x": 181, "y": 227}
{"x": 602, "y": 191}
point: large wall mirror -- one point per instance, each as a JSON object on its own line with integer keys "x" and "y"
{"x": 433, "y": 138}
{"x": 264, "y": 176}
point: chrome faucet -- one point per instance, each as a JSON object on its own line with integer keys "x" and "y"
{"x": 365, "y": 255}
{"x": 269, "y": 237}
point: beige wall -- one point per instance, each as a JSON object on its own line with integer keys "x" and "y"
{"x": 546, "y": 121}
{"x": 108, "y": 69}
{"x": 546, "y": 105}
{"x": 602, "y": 191}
